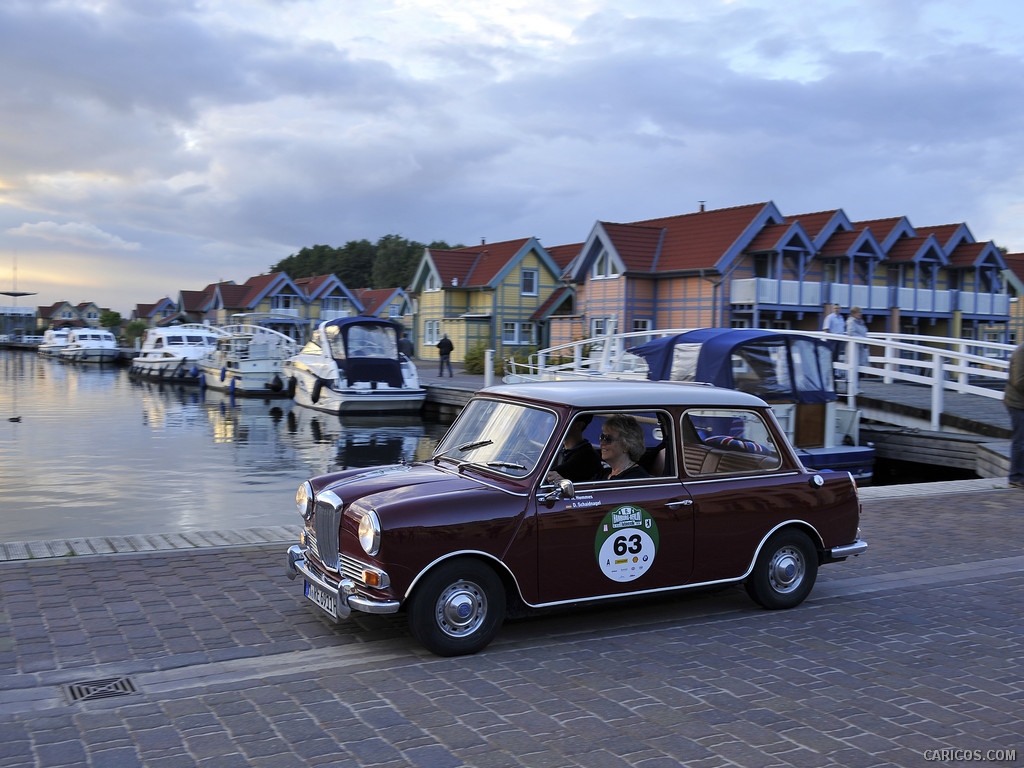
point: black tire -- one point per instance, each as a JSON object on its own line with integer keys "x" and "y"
{"x": 318, "y": 386}
{"x": 458, "y": 608}
{"x": 785, "y": 571}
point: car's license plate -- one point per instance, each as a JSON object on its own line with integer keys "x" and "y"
{"x": 325, "y": 600}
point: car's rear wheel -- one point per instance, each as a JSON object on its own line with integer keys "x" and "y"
{"x": 458, "y": 608}
{"x": 785, "y": 571}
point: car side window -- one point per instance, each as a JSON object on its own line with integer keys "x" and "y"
{"x": 725, "y": 441}
{"x": 657, "y": 458}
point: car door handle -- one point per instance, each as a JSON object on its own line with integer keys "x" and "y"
{"x": 683, "y": 503}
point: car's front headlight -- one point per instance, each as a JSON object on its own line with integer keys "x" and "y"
{"x": 304, "y": 500}
{"x": 369, "y": 532}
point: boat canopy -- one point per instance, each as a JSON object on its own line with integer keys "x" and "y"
{"x": 365, "y": 349}
{"x": 777, "y": 367}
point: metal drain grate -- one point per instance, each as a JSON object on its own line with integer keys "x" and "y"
{"x": 99, "y": 689}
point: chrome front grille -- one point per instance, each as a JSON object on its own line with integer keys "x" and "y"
{"x": 325, "y": 522}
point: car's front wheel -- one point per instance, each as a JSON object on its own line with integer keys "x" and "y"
{"x": 785, "y": 571}
{"x": 458, "y": 608}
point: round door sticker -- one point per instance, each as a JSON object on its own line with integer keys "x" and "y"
{"x": 627, "y": 541}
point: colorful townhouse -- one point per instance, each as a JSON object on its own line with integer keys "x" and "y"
{"x": 752, "y": 266}
{"x": 386, "y": 303}
{"x": 64, "y": 314}
{"x": 1014, "y": 279}
{"x": 156, "y": 314}
{"x": 495, "y": 295}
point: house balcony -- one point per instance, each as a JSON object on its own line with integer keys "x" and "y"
{"x": 764, "y": 292}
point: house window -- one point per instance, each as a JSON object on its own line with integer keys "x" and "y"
{"x": 641, "y": 325}
{"x": 431, "y": 332}
{"x": 604, "y": 266}
{"x": 529, "y": 282}
{"x": 599, "y": 326}
{"x": 336, "y": 305}
{"x": 282, "y": 301}
{"x": 518, "y": 333}
{"x": 394, "y": 310}
{"x": 432, "y": 283}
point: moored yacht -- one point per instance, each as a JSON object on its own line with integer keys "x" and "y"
{"x": 173, "y": 353}
{"x": 352, "y": 365}
{"x": 90, "y": 345}
{"x": 54, "y": 340}
{"x": 247, "y": 361}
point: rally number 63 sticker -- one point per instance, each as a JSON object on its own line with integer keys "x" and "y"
{"x": 626, "y": 543}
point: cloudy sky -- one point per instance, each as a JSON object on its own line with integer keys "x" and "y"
{"x": 148, "y": 146}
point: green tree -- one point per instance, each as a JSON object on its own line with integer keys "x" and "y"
{"x": 110, "y": 319}
{"x": 134, "y": 330}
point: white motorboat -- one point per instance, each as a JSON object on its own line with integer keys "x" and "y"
{"x": 247, "y": 361}
{"x": 352, "y": 365}
{"x": 173, "y": 353}
{"x": 54, "y": 340}
{"x": 90, "y": 345}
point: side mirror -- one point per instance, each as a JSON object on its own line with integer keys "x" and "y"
{"x": 564, "y": 490}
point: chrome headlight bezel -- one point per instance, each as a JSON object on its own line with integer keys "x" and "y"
{"x": 304, "y": 500}
{"x": 369, "y": 532}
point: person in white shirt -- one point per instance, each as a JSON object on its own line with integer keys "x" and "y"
{"x": 834, "y": 322}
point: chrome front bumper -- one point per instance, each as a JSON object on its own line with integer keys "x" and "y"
{"x": 848, "y": 550}
{"x": 344, "y": 591}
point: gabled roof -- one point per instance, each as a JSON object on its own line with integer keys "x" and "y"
{"x": 821, "y": 225}
{"x": 888, "y": 231}
{"x": 1015, "y": 265}
{"x": 919, "y": 249}
{"x": 977, "y": 255}
{"x": 374, "y": 300}
{"x": 708, "y": 239}
{"x": 852, "y": 242}
{"x": 480, "y": 266}
{"x": 558, "y": 297}
{"x": 150, "y": 310}
{"x": 777, "y": 237}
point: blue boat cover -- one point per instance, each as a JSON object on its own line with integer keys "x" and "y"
{"x": 777, "y": 367}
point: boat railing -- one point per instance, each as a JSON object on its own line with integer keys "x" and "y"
{"x": 944, "y": 364}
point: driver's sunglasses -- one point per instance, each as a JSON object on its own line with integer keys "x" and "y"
{"x": 606, "y": 438}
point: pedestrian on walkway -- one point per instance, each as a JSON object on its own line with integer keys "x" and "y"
{"x": 1013, "y": 399}
{"x": 855, "y": 326}
{"x": 834, "y": 323}
{"x": 833, "y": 320}
{"x": 445, "y": 347}
{"x": 405, "y": 346}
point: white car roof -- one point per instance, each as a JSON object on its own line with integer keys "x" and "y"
{"x": 604, "y": 393}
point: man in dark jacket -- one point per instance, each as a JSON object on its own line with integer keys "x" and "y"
{"x": 1013, "y": 399}
{"x": 445, "y": 347}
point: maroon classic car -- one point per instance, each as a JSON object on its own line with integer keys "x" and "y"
{"x": 713, "y": 493}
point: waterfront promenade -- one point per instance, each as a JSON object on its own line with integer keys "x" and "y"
{"x": 196, "y": 650}
{"x": 212, "y": 657}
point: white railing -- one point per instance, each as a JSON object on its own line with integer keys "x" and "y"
{"x": 943, "y": 364}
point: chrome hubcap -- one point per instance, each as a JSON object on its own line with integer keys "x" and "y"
{"x": 461, "y": 609}
{"x": 786, "y": 569}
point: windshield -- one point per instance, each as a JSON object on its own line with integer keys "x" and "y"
{"x": 508, "y": 437}
{"x": 363, "y": 341}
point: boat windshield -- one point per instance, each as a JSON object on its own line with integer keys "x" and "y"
{"x": 508, "y": 437}
{"x": 363, "y": 341}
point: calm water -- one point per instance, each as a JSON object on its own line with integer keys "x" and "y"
{"x": 96, "y": 453}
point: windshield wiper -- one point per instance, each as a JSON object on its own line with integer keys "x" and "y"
{"x": 505, "y": 464}
{"x": 471, "y": 446}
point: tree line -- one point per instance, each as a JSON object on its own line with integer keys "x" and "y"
{"x": 389, "y": 263}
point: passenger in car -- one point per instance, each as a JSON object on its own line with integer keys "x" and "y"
{"x": 622, "y": 445}
{"x": 577, "y": 461}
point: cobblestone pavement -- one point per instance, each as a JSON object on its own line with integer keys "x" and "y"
{"x": 211, "y": 657}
